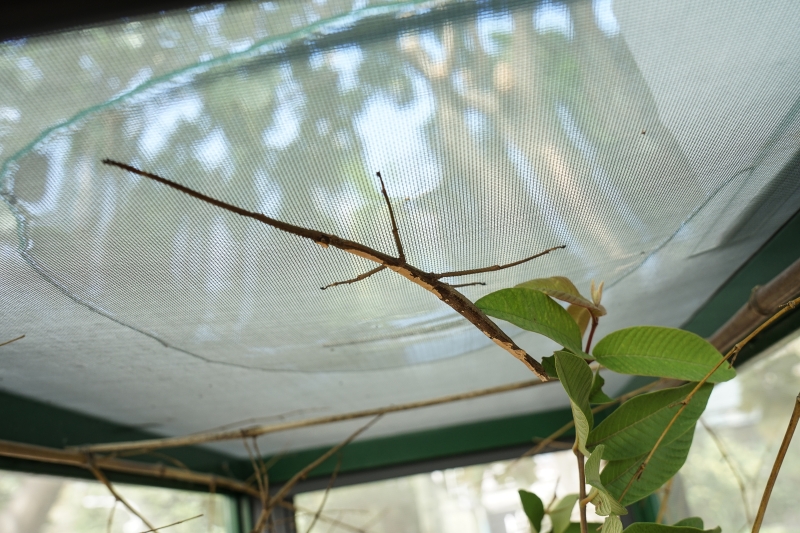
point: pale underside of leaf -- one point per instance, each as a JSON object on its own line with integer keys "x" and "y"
{"x": 560, "y": 514}
{"x": 664, "y": 464}
{"x": 613, "y": 524}
{"x": 581, "y": 316}
{"x": 563, "y": 289}
{"x": 605, "y": 504}
{"x": 661, "y": 352}
{"x": 634, "y": 428}
{"x": 576, "y": 378}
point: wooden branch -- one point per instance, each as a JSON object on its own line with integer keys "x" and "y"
{"x": 118, "y": 497}
{"x": 495, "y": 268}
{"x": 365, "y": 275}
{"x": 773, "y": 476}
{"x": 325, "y": 495}
{"x": 172, "y": 524}
{"x": 396, "y": 232}
{"x": 429, "y": 281}
{"x": 254, "y": 431}
{"x": 31, "y": 452}
{"x": 301, "y": 475}
{"x": 732, "y": 353}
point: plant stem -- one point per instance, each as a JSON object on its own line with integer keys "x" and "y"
{"x": 581, "y": 489}
{"x": 773, "y": 476}
{"x": 595, "y": 320}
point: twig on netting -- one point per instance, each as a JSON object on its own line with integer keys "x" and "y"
{"x": 735, "y": 471}
{"x": 12, "y": 340}
{"x": 776, "y": 467}
{"x": 101, "y": 477}
{"x": 254, "y": 431}
{"x": 263, "y": 495}
{"x": 325, "y": 495}
{"x": 662, "y": 509}
{"x": 110, "y": 521}
{"x": 365, "y": 275}
{"x": 427, "y": 280}
{"x": 170, "y": 525}
{"x": 685, "y": 402}
{"x": 299, "y": 476}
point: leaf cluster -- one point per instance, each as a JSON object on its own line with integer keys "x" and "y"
{"x": 646, "y": 440}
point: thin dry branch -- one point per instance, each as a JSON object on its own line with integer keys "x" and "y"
{"x": 172, "y": 524}
{"x": 662, "y": 509}
{"x": 110, "y": 521}
{"x": 301, "y": 475}
{"x": 365, "y": 275}
{"x": 732, "y": 353}
{"x": 12, "y": 340}
{"x": 427, "y": 280}
{"x": 104, "y": 480}
{"x": 254, "y": 431}
{"x": 325, "y": 495}
{"x": 739, "y": 480}
{"x": 773, "y": 476}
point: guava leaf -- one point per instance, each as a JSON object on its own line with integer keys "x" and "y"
{"x": 612, "y": 525}
{"x": 563, "y": 289}
{"x": 549, "y": 364}
{"x": 559, "y": 515}
{"x": 581, "y": 316}
{"x": 665, "y": 463}
{"x": 534, "y": 311}
{"x": 634, "y": 428}
{"x": 534, "y": 509}
{"x": 597, "y": 395}
{"x": 605, "y": 504}
{"x": 576, "y": 378}
{"x": 661, "y": 352}
{"x": 645, "y": 527}
{"x": 692, "y": 521}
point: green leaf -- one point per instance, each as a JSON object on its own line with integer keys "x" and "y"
{"x": 692, "y": 521}
{"x": 549, "y": 364}
{"x": 612, "y": 525}
{"x": 661, "y": 352}
{"x": 534, "y": 509}
{"x": 644, "y": 527}
{"x": 665, "y": 463}
{"x": 534, "y": 311}
{"x": 605, "y": 504}
{"x": 597, "y": 395}
{"x": 581, "y": 316}
{"x": 634, "y": 428}
{"x": 576, "y": 378}
{"x": 559, "y": 515}
{"x": 563, "y": 289}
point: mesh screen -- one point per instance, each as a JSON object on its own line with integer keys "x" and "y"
{"x": 649, "y": 140}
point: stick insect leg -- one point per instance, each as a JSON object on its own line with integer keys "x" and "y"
{"x": 400, "y": 253}
{"x": 365, "y": 275}
{"x": 496, "y": 267}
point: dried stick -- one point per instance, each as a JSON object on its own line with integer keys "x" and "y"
{"x": 773, "y": 476}
{"x": 110, "y": 521}
{"x": 427, "y": 280}
{"x": 739, "y": 481}
{"x": 13, "y": 340}
{"x": 365, "y": 275}
{"x": 685, "y": 402}
{"x": 254, "y": 431}
{"x": 299, "y": 476}
{"x": 581, "y": 487}
{"x": 170, "y": 525}
{"x": 325, "y": 495}
{"x": 662, "y": 509}
{"x": 332, "y": 521}
{"x": 104, "y": 480}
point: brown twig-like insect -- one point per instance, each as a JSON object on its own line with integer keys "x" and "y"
{"x": 429, "y": 281}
